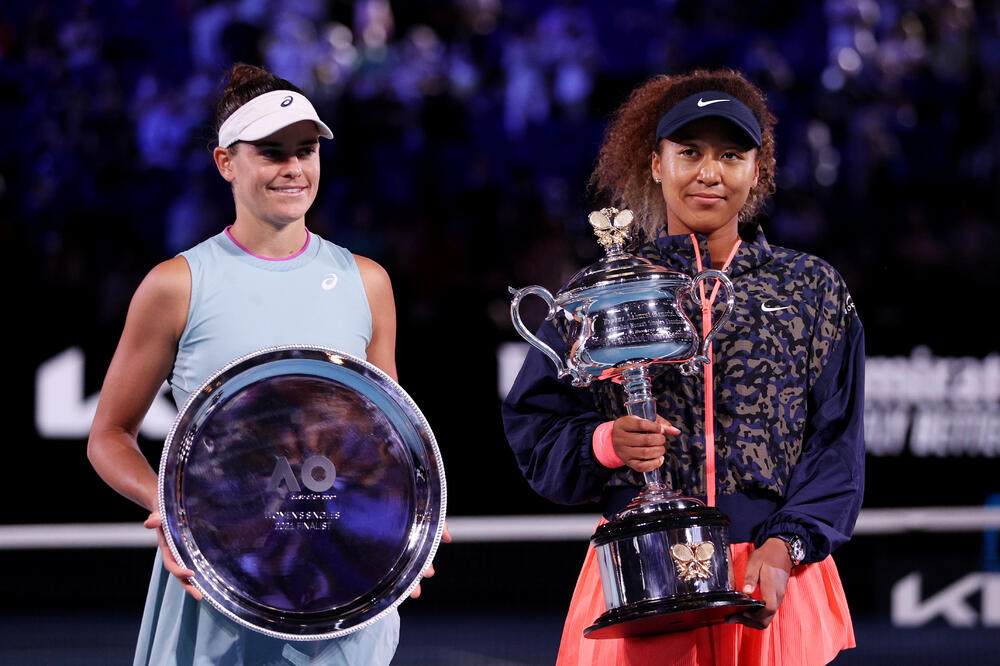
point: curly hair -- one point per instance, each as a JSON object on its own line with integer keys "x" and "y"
{"x": 623, "y": 163}
{"x": 243, "y": 82}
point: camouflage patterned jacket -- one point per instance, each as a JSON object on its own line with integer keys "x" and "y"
{"x": 789, "y": 405}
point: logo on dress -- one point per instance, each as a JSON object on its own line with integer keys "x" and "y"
{"x": 287, "y": 101}
{"x": 767, "y": 308}
{"x": 329, "y": 282}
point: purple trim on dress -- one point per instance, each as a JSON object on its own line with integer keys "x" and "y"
{"x": 252, "y": 254}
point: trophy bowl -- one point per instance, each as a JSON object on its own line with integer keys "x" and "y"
{"x": 305, "y": 490}
{"x": 629, "y": 312}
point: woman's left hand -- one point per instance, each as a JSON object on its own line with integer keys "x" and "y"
{"x": 768, "y": 566}
{"x": 429, "y": 571}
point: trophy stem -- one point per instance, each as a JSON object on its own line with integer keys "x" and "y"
{"x": 639, "y": 401}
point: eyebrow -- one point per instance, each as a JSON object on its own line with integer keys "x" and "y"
{"x": 728, "y": 144}
{"x": 275, "y": 144}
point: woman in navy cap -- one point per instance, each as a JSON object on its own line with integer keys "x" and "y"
{"x": 772, "y": 433}
{"x": 264, "y": 280}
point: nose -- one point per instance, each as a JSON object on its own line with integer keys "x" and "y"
{"x": 293, "y": 169}
{"x": 708, "y": 173}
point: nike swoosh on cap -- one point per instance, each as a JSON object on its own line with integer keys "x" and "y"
{"x": 702, "y": 102}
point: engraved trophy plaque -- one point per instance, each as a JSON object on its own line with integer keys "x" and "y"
{"x": 664, "y": 559}
{"x": 305, "y": 490}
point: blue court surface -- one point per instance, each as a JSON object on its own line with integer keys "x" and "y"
{"x": 460, "y": 639}
{"x": 488, "y": 604}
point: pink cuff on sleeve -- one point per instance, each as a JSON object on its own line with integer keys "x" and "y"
{"x": 604, "y": 449}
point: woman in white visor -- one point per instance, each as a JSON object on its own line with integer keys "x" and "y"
{"x": 264, "y": 280}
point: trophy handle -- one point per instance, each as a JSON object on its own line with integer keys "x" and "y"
{"x": 690, "y": 367}
{"x": 515, "y": 316}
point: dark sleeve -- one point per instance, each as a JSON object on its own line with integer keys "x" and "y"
{"x": 550, "y": 426}
{"x": 824, "y": 493}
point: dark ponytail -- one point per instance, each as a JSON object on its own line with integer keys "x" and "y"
{"x": 244, "y": 82}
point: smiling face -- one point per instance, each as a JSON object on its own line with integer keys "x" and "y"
{"x": 274, "y": 179}
{"x": 706, "y": 171}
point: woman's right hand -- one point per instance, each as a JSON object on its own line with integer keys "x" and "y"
{"x": 641, "y": 444}
{"x": 154, "y": 522}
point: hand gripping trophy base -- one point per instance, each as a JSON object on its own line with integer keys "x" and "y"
{"x": 664, "y": 559}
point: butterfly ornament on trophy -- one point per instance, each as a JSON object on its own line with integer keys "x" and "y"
{"x": 693, "y": 560}
{"x": 611, "y": 226}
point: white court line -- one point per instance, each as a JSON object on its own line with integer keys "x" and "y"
{"x": 473, "y": 529}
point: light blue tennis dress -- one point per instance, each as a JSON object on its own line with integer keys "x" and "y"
{"x": 241, "y": 303}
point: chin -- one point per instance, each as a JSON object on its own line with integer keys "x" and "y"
{"x": 289, "y": 215}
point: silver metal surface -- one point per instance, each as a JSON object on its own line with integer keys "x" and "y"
{"x": 628, "y": 578}
{"x": 305, "y": 489}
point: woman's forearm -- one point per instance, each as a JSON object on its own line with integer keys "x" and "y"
{"x": 115, "y": 455}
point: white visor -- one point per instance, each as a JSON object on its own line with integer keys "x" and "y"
{"x": 266, "y": 114}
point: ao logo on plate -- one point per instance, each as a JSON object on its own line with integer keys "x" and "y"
{"x": 313, "y": 467}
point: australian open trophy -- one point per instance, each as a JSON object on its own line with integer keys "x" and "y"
{"x": 664, "y": 560}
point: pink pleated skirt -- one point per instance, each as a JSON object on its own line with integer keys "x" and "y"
{"x": 812, "y": 625}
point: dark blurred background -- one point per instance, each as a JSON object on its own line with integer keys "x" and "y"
{"x": 465, "y": 133}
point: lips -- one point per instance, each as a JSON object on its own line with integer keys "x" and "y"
{"x": 706, "y": 197}
{"x": 289, "y": 191}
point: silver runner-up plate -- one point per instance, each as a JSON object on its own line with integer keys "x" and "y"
{"x": 305, "y": 490}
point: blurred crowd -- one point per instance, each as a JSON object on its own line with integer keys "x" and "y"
{"x": 465, "y": 131}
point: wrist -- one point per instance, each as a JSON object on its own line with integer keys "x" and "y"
{"x": 604, "y": 447}
{"x": 795, "y": 546}
{"x": 151, "y": 500}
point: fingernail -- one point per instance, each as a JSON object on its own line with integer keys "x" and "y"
{"x": 747, "y": 589}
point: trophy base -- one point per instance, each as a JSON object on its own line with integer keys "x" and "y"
{"x": 664, "y": 616}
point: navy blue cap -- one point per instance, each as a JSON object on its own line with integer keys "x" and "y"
{"x": 710, "y": 103}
